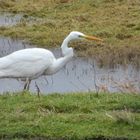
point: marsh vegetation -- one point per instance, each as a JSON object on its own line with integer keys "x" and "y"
{"x": 46, "y": 23}
{"x": 117, "y": 22}
{"x": 82, "y": 116}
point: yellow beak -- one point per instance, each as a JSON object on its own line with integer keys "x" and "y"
{"x": 92, "y": 38}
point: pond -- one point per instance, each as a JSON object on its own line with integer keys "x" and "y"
{"x": 7, "y": 19}
{"x": 81, "y": 74}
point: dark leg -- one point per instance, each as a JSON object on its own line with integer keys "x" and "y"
{"x": 38, "y": 90}
{"x": 27, "y": 84}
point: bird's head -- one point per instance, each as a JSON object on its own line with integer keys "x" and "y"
{"x": 78, "y": 35}
{"x": 72, "y": 36}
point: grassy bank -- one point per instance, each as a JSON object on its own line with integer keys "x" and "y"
{"x": 116, "y": 21}
{"x": 70, "y": 116}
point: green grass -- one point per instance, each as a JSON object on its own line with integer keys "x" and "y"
{"x": 116, "y": 21}
{"x": 70, "y": 116}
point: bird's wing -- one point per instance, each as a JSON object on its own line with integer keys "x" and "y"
{"x": 26, "y": 63}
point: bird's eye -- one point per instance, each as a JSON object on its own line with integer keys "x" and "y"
{"x": 80, "y": 36}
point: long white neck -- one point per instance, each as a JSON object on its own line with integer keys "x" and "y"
{"x": 64, "y": 46}
{"x": 62, "y": 61}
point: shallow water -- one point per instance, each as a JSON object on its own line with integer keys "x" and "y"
{"x": 81, "y": 74}
{"x": 7, "y": 19}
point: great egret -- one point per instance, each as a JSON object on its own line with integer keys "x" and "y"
{"x": 31, "y": 63}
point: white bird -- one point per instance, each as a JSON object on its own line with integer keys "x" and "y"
{"x": 31, "y": 63}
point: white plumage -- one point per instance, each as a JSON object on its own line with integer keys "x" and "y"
{"x": 25, "y": 63}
